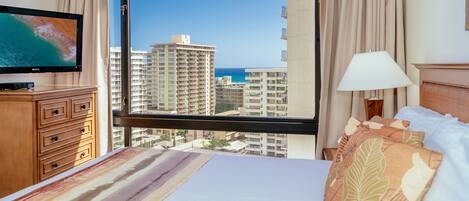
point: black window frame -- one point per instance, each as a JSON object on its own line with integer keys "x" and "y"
{"x": 284, "y": 125}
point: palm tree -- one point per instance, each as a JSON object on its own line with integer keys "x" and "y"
{"x": 183, "y": 133}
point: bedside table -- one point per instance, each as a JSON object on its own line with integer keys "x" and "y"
{"x": 329, "y": 153}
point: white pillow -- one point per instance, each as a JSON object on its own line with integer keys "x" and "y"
{"x": 423, "y": 119}
{"x": 452, "y": 178}
{"x": 443, "y": 133}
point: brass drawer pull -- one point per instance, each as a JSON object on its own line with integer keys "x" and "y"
{"x": 83, "y": 131}
{"x": 55, "y": 112}
{"x": 54, "y": 165}
{"x": 82, "y": 155}
{"x": 54, "y": 139}
{"x": 83, "y": 107}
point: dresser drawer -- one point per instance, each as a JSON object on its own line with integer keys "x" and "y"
{"x": 54, "y": 164}
{"x": 57, "y": 137}
{"x": 82, "y": 106}
{"x": 53, "y": 111}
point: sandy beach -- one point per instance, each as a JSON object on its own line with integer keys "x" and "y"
{"x": 61, "y": 32}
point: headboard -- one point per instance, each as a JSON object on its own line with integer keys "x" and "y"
{"x": 445, "y": 88}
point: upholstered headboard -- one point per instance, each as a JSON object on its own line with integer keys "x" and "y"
{"x": 445, "y": 88}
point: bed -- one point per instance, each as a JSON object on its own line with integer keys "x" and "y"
{"x": 150, "y": 174}
{"x": 153, "y": 174}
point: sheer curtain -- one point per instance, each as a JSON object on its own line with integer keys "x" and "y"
{"x": 349, "y": 27}
{"x": 95, "y": 60}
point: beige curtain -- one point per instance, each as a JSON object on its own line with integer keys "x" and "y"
{"x": 349, "y": 27}
{"x": 95, "y": 60}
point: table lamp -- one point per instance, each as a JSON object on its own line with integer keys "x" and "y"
{"x": 373, "y": 71}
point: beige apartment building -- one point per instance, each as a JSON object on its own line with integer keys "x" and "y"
{"x": 299, "y": 56}
{"x": 265, "y": 94}
{"x": 183, "y": 76}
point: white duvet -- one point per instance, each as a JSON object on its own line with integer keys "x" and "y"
{"x": 450, "y": 137}
{"x": 452, "y": 178}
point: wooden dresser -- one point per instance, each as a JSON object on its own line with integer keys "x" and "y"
{"x": 44, "y": 132}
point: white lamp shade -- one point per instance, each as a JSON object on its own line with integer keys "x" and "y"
{"x": 372, "y": 71}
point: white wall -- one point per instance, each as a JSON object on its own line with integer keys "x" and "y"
{"x": 435, "y": 33}
{"x": 39, "y": 79}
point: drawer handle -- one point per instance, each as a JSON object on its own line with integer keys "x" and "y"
{"x": 83, "y": 130}
{"x": 83, "y": 107}
{"x": 55, "y": 112}
{"x": 54, "y": 165}
{"x": 82, "y": 155}
{"x": 54, "y": 139}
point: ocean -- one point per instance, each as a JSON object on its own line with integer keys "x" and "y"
{"x": 237, "y": 74}
{"x": 20, "y": 47}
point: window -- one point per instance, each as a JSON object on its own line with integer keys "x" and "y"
{"x": 208, "y": 77}
{"x": 222, "y": 142}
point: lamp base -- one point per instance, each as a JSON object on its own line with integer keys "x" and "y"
{"x": 373, "y": 107}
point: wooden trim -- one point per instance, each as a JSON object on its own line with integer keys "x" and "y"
{"x": 62, "y": 93}
{"x": 443, "y": 66}
{"x": 96, "y": 123}
{"x": 35, "y": 141}
{"x": 44, "y": 93}
{"x": 445, "y": 88}
{"x": 447, "y": 75}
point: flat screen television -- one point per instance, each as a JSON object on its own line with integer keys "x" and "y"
{"x": 35, "y": 41}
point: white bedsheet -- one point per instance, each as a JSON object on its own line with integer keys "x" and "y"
{"x": 233, "y": 178}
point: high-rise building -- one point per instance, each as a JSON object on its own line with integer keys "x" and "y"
{"x": 138, "y": 91}
{"x": 229, "y": 95}
{"x": 299, "y": 56}
{"x": 184, "y": 76}
{"x": 265, "y": 94}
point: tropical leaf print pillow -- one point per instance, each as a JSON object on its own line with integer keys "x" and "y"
{"x": 375, "y": 168}
{"x": 385, "y": 130}
{"x": 393, "y": 123}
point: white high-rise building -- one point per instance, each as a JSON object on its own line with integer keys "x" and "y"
{"x": 299, "y": 56}
{"x": 184, "y": 76}
{"x": 265, "y": 94}
{"x": 138, "y": 91}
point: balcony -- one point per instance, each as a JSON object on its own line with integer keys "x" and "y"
{"x": 284, "y": 13}
{"x": 284, "y": 56}
{"x": 253, "y": 94}
{"x": 284, "y": 34}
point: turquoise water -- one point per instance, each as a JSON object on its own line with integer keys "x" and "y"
{"x": 237, "y": 74}
{"x": 20, "y": 47}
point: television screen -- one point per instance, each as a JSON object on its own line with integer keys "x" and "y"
{"x": 39, "y": 41}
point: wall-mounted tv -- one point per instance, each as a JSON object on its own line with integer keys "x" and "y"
{"x": 33, "y": 41}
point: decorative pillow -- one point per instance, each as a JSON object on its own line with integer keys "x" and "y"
{"x": 394, "y": 123}
{"x": 390, "y": 133}
{"x": 397, "y": 135}
{"x": 374, "y": 168}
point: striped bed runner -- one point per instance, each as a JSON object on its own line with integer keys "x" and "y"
{"x": 132, "y": 174}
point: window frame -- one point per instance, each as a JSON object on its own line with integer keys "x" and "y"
{"x": 284, "y": 125}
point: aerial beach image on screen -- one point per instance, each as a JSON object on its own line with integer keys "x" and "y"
{"x": 33, "y": 41}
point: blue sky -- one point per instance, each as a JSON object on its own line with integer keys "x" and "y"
{"x": 246, "y": 32}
